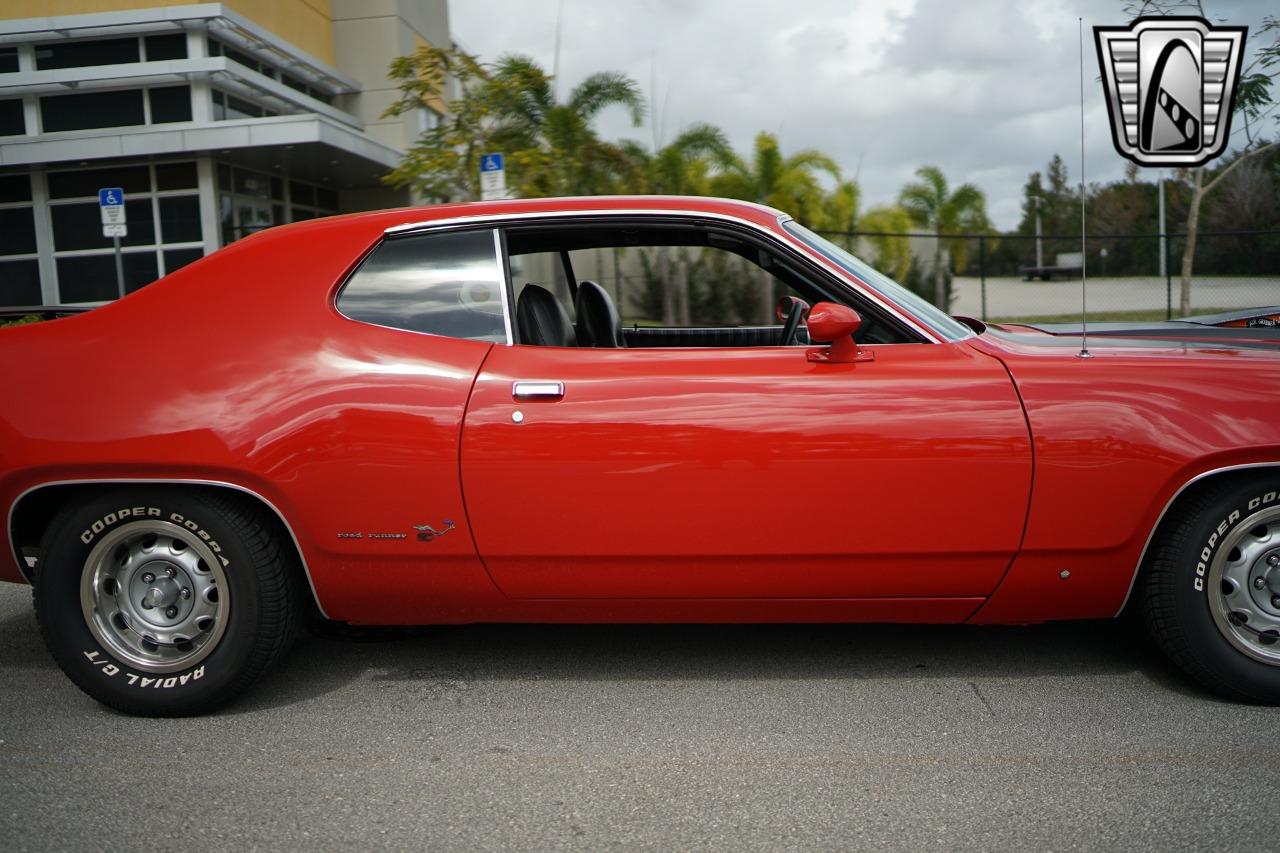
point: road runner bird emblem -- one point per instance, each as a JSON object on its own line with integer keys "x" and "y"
{"x": 1171, "y": 85}
{"x": 426, "y": 532}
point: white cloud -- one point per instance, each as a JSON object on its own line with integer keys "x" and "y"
{"x": 986, "y": 89}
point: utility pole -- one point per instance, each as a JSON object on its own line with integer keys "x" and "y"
{"x": 1039, "y": 240}
{"x": 1163, "y": 247}
{"x": 555, "y": 62}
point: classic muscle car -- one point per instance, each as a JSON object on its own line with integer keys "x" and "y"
{"x": 442, "y": 415}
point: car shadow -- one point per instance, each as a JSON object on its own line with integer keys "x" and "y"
{"x": 443, "y": 656}
{"x": 319, "y": 665}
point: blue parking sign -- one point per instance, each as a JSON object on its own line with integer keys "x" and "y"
{"x": 111, "y": 197}
{"x": 491, "y": 163}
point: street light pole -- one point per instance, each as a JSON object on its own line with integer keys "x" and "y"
{"x": 1163, "y": 252}
{"x": 1039, "y": 241}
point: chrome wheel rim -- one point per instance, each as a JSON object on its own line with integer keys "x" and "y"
{"x": 1244, "y": 587}
{"x": 155, "y": 596}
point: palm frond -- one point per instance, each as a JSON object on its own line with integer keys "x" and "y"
{"x": 606, "y": 89}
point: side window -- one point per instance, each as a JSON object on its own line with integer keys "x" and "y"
{"x": 691, "y": 286}
{"x": 442, "y": 284}
{"x": 545, "y": 269}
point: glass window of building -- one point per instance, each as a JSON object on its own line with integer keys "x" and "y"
{"x": 8, "y": 60}
{"x": 249, "y": 201}
{"x": 13, "y": 121}
{"x": 218, "y": 48}
{"x": 311, "y": 91}
{"x": 130, "y": 107}
{"x": 19, "y": 265}
{"x": 78, "y": 54}
{"x": 165, "y": 228}
{"x": 86, "y": 110}
{"x": 226, "y": 106}
{"x": 170, "y": 104}
{"x": 173, "y": 46}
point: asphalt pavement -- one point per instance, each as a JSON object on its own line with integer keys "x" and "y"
{"x": 1055, "y": 737}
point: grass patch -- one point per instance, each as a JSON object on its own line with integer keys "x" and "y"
{"x": 20, "y": 321}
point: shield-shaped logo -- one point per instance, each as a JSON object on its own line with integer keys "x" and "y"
{"x": 1171, "y": 85}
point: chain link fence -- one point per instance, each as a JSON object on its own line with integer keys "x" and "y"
{"x": 1129, "y": 276}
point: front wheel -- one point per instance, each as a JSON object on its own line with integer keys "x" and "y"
{"x": 1212, "y": 589}
{"x": 163, "y": 602}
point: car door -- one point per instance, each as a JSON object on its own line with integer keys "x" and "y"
{"x": 747, "y": 472}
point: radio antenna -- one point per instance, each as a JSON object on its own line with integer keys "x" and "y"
{"x": 1084, "y": 188}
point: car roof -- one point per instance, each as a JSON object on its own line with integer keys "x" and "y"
{"x": 409, "y": 217}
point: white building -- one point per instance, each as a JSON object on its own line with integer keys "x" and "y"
{"x": 216, "y": 119}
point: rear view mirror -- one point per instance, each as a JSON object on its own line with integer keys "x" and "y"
{"x": 835, "y": 324}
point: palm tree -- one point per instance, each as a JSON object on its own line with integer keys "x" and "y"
{"x": 787, "y": 183}
{"x": 840, "y": 209}
{"x": 510, "y": 106}
{"x": 554, "y": 148}
{"x": 884, "y": 226}
{"x": 931, "y": 204}
{"x": 681, "y": 167}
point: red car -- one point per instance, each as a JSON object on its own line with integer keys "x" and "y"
{"x": 441, "y": 415}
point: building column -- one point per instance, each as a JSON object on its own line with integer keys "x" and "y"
{"x": 210, "y": 222}
{"x": 44, "y": 238}
{"x": 201, "y": 90}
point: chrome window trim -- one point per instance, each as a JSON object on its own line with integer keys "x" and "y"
{"x": 861, "y": 287}
{"x": 1133, "y": 579}
{"x": 25, "y": 569}
{"x": 503, "y": 284}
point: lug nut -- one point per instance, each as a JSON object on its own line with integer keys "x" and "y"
{"x": 1259, "y": 583}
{"x": 171, "y": 612}
{"x": 1273, "y": 560}
{"x": 186, "y": 593}
{"x": 171, "y": 572}
{"x": 147, "y": 577}
{"x": 1275, "y": 601}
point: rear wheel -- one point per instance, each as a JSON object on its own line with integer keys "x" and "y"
{"x": 164, "y": 602}
{"x": 1212, "y": 589}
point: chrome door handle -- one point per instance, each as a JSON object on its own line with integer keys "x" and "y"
{"x": 539, "y": 390}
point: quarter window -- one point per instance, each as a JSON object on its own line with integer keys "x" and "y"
{"x": 442, "y": 284}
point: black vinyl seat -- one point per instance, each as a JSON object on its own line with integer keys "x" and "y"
{"x": 541, "y": 320}
{"x": 598, "y": 322}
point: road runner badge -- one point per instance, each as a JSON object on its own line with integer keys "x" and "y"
{"x": 1170, "y": 84}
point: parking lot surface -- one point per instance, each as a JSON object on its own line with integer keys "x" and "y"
{"x": 1058, "y": 737}
{"x": 1013, "y": 297}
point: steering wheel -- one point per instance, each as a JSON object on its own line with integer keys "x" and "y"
{"x": 791, "y": 312}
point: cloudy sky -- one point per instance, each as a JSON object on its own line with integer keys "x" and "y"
{"x": 986, "y": 89}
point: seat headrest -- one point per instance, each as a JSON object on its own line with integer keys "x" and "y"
{"x": 541, "y": 320}
{"x": 598, "y": 319}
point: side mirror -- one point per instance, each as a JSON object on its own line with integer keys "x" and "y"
{"x": 835, "y": 324}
